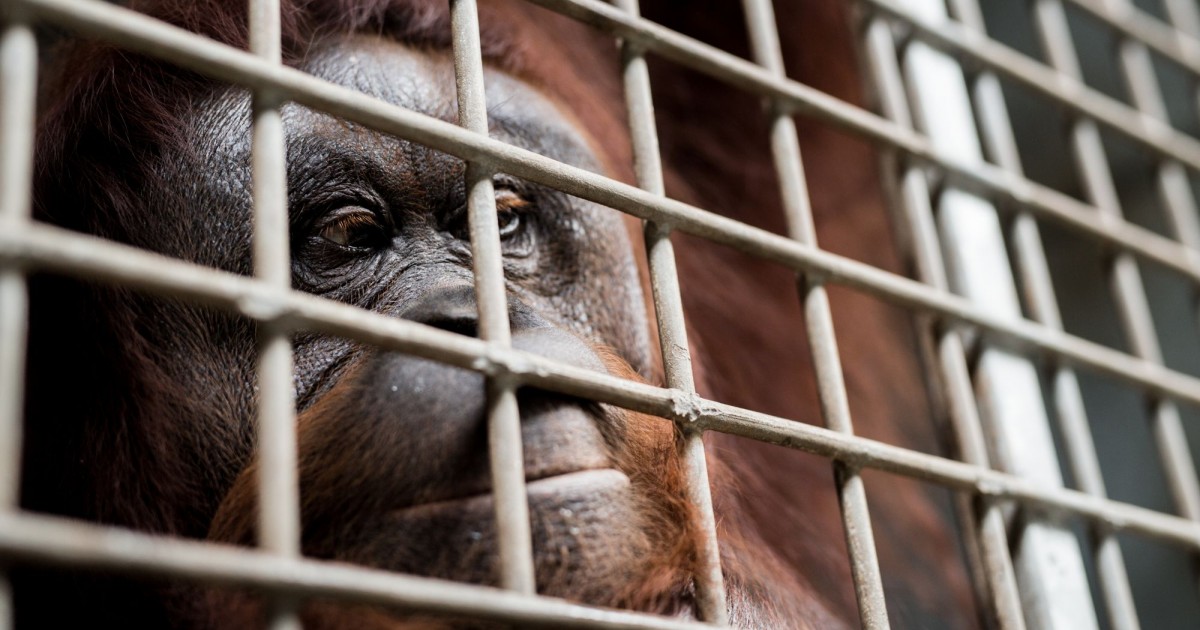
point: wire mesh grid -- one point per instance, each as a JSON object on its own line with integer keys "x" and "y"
{"x": 891, "y": 31}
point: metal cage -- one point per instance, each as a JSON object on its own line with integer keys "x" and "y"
{"x": 954, "y": 168}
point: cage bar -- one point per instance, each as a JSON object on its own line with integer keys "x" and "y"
{"x": 1065, "y": 90}
{"x": 504, "y": 419}
{"x": 188, "y": 50}
{"x": 279, "y": 490}
{"x": 194, "y": 52}
{"x": 1128, "y": 293}
{"x": 1054, "y": 589}
{"x": 1180, "y": 204}
{"x": 672, "y": 331}
{"x": 997, "y": 135}
{"x": 1125, "y": 278}
{"x": 18, "y": 75}
{"x": 983, "y": 522}
{"x": 61, "y": 251}
{"x": 1041, "y": 200}
{"x": 63, "y": 542}
{"x": 267, "y": 299}
{"x": 1178, "y": 45}
{"x": 831, "y": 387}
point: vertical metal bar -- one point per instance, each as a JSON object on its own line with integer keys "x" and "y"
{"x": 953, "y": 380}
{"x": 18, "y": 76}
{"x": 1049, "y": 561}
{"x": 1173, "y": 186}
{"x": 504, "y": 420}
{"x": 1179, "y": 201}
{"x": 1185, "y": 15}
{"x": 1138, "y": 71}
{"x": 1130, "y": 296}
{"x": 835, "y": 406}
{"x": 672, "y": 331}
{"x": 997, "y": 134}
{"x": 279, "y": 495}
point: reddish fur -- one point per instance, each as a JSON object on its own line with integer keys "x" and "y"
{"x": 781, "y": 500}
{"x": 649, "y": 457}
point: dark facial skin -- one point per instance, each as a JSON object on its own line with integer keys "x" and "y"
{"x": 393, "y": 449}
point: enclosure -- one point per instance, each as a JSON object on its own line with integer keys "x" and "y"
{"x": 1040, "y": 160}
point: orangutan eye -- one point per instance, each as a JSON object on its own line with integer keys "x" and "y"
{"x": 510, "y": 223}
{"x": 508, "y": 212}
{"x": 352, "y": 227}
{"x": 510, "y": 216}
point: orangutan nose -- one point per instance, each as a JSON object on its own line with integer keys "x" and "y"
{"x": 450, "y": 308}
{"x": 454, "y": 308}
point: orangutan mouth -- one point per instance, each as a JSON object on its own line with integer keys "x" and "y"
{"x": 560, "y": 488}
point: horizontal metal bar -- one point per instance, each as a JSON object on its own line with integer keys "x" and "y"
{"x": 46, "y": 245}
{"x": 733, "y": 70}
{"x": 138, "y": 32}
{"x": 997, "y": 130}
{"x": 1130, "y": 21}
{"x": 1184, "y": 15}
{"x": 1000, "y": 185}
{"x": 45, "y": 248}
{"x": 1070, "y": 93}
{"x": 60, "y": 250}
{"x": 1047, "y": 558}
{"x": 985, "y": 536}
{"x": 948, "y": 473}
{"x": 58, "y": 541}
{"x": 239, "y": 67}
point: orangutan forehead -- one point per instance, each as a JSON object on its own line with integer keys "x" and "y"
{"x": 422, "y": 80}
{"x": 421, "y": 24}
{"x": 323, "y": 149}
